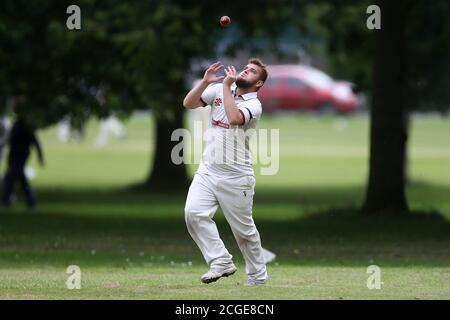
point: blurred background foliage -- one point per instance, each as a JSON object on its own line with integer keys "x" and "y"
{"x": 143, "y": 55}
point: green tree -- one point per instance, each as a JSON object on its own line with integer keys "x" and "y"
{"x": 411, "y": 72}
{"x": 388, "y": 131}
{"x": 126, "y": 56}
{"x": 137, "y": 55}
{"x": 403, "y": 67}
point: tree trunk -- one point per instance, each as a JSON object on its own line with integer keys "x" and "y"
{"x": 164, "y": 174}
{"x": 388, "y": 130}
{"x": 407, "y": 169}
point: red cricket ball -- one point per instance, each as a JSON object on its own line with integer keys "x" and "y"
{"x": 225, "y": 20}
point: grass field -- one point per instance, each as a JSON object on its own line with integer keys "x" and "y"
{"x": 136, "y": 246}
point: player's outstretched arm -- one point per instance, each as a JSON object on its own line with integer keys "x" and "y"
{"x": 193, "y": 98}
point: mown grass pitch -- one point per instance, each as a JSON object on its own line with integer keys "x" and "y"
{"x": 135, "y": 245}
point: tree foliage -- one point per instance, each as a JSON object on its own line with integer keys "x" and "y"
{"x": 127, "y": 55}
{"x": 138, "y": 55}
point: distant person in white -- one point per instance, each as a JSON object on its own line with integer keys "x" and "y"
{"x": 65, "y": 131}
{"x": 111, "y": 125}
{"x": 225, "y": 175}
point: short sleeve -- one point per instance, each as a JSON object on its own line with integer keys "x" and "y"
{"x": 251, "y": 111}
{"x": 209, "y": 94}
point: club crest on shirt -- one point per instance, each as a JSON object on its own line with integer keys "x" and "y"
{"x": 217, "y": 102}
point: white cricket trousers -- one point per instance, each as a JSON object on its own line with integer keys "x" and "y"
{"x": 235, "y": 197}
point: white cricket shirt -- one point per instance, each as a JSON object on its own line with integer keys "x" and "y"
{"x": 227, "y": 151}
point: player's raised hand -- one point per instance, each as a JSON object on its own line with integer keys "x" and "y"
{"x": 211, "y": 73}
{"x": 231, "y": 76}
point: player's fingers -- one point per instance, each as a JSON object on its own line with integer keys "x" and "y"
{"x": 218, "y": 67}
{"x": 221, "y": 78}
{"x": 215, "y": 64}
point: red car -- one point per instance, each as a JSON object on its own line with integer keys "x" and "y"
{"x": 294, "y": 87}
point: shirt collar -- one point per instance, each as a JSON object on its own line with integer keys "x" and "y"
{"x": 249, "y": 96}
{"x": 246, "y": 96}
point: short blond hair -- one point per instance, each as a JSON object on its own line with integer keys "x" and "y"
{"x": 258, "y": 62}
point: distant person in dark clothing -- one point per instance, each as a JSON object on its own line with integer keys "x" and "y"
{"x": 21, "y": 139}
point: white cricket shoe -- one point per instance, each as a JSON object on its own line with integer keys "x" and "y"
{"x": 215, "y": 274}
{"x": 253, "y": 282}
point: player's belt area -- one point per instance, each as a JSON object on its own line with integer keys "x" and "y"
{"x": 220, "y": 124}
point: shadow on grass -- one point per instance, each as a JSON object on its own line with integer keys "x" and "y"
{"x": 264, "y": 194}
{"x": 326, "y": 233}
{"x": 316, "y": 195}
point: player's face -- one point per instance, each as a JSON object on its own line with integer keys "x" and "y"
{"x": 250, "y": 77}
